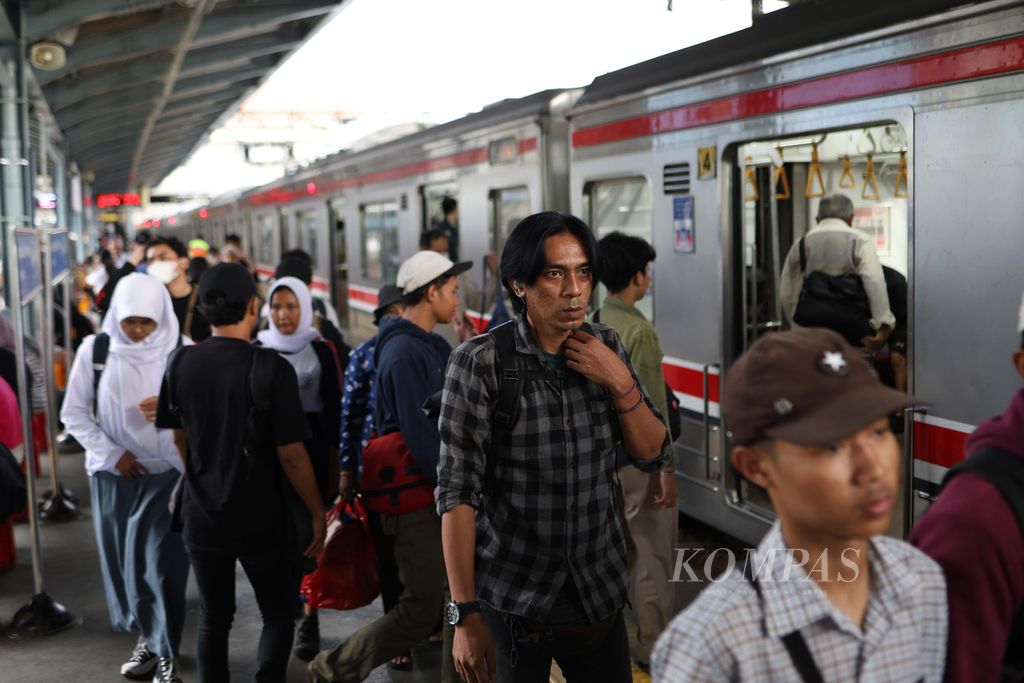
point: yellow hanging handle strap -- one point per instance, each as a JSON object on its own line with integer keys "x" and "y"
{"x": 780, "y": 174}
{"x": 901, "y": 178}
{"x": 869, "y": 179}
{"x": 750, "y": 179}
{"x": 847, "y": 181}
{"x": 814, "y": 173}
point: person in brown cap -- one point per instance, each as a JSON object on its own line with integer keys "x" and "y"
{"x": 825, "y": 596}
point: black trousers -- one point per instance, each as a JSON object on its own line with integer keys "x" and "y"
{"x": 585, "y": 652}
{"x": 275, "y": 583}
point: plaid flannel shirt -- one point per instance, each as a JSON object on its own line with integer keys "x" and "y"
{"x": 729, "y": 634}
{"x": 544, "y": 502}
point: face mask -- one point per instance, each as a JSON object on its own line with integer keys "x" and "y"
{"x": 164, "y": 271}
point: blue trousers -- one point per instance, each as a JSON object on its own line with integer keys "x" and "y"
{"x": 144, "y": 564}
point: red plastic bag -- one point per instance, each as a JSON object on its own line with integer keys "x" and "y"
{"x": 347, "y": 575}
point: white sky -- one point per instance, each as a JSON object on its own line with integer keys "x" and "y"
{"x": 394, "y": 61}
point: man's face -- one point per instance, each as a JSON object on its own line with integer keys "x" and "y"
{"x": 445, "y": 300}
{"x": 843, "y": 491}
{"x": 162, "y": 253}
{"x": 557, "y": 300}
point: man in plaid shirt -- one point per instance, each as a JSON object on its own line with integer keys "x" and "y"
{"x": 534, "y": 550}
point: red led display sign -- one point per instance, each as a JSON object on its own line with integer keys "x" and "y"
{"x": 106, "y": 201}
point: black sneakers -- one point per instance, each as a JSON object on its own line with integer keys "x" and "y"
{"x": 141, "y": 664}
{"x": 307, "y": 638}
{"x": 166, "y": 671}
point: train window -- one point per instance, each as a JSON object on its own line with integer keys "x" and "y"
{"x": 379, "y": 227}
{"x": 284, "y": 233}
{"x": 305, "y": 223}
{"x": 508, "y": 207}
{"x": 622, "y": 205}
{"x": 432, "y": 196}
{"x": 264, "y": 235}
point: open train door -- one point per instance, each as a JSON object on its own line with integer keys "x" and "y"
{"x": 777, "y": 185}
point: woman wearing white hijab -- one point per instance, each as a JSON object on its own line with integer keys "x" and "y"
{"x": 291, "y": 334}
{"x": 132, "y": 469}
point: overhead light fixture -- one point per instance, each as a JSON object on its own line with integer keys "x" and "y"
{"x": 47, "y": 55}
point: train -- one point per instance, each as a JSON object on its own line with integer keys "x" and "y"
{"x": 718, "y": 155}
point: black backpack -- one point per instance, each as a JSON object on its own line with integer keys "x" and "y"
{"x": 1005, "y": 471}
{"x": 13, "y": 492}
{"x": 837, "y": 302}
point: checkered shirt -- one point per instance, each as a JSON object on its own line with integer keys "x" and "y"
{"x": 728, "y": 634}
{"x": 544, "y": 504}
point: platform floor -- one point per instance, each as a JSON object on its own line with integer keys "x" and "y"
{"x": 91, "y": 653}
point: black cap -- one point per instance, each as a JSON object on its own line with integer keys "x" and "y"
{"x": 388, "y": 295}
{"x": 229, "y": 281}
{"x": 294, "y": 267}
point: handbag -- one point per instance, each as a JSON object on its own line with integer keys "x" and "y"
{"x": 392, "y": 483}
{"x": 347, "y": 574}
{"x": 13, "y": 492}
{"x": 836, "y": 302}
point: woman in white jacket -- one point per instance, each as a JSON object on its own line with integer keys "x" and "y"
{"x": 132, "y": 469}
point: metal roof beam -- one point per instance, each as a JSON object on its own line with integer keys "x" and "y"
{"x": 47, "y": 17}
{"x": 103, "y": 126}
{"x": 206, "y": 101}
{"x": 86, "y": 110}
{"x": 211, "y": 83}
{"x": 219, "y": 27}
{"x": 238, "y": 53}
{"x": 99, "y": 82}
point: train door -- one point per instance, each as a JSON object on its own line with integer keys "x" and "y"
{"x": 284, "y": 233}
{"x": 339, "y": 270}
{"x": 622, "y": 205}
{"x": 778, "y": 186}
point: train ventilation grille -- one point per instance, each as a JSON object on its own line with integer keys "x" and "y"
{"x": 676, "y": 178}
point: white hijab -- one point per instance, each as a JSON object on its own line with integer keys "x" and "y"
{"x": 142, "y": 296}
{"x": 304, "y": 333}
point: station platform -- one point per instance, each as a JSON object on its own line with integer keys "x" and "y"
{"x": 90, "y": 652}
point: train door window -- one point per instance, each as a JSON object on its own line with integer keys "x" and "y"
{"x": 379, "y": 227}
{"x": 508, "y": 207}
{"x": 284, "y": 233}
{"x": 264, "y": 235}
{"x": 779, "y": 185}
{"x": 339, "y": 283}
{"x": 622, "y": 205}
{"x": 432, "y": 196}
{"x": 305, "y": 224}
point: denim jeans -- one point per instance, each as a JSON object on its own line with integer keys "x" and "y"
{"x": 585, "y": 652}
{"x": 274, "y": 582}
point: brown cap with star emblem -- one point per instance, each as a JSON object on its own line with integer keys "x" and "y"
{"x": 806, "y": 386}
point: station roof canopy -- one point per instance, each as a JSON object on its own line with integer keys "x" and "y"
{"x": 144, "y": 81}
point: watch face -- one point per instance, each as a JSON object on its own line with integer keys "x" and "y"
{"x": 451, "y": 613}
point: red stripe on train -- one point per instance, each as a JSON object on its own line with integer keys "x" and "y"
{"x": 469, "y": 157}
{"x": 689, "y": 381}
{"x": 979, "y": 61}
{"x": 938, "y": 445}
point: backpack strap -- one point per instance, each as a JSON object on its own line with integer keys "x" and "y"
{"x": 803, "y": 255}
{"x": 100, "y": 350}
{"x": 190, "y": 309}
{"x": 794, "y": 641}
{"x": 513, "y": 371}
{"x": 597, "y": 316}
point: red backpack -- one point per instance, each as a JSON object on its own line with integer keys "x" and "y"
{"x": 392, "y": 482}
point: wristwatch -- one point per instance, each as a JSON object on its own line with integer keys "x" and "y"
{"x": 455, "y": 612}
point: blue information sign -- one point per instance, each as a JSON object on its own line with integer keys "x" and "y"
{"x": 683, "y": 224}
{"x": 60, "y": 253}
{"x": 30, "y": 274}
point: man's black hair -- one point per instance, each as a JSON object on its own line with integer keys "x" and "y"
{"x": 448, "y": 204}
{"x": 173, "y": 242}
{"x": 524, "y": 257}
{"x": 420, "y": 293}
{"x": 220, "y": 310}
{"x": 233, "y": 237}
{"x": 143, "y": 237}
{"x": 427, "y": 237}
{"x": 622, "y": 257}
{"x": 299, "y": 254}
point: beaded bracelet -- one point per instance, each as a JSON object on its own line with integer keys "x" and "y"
{"x": 632, "y": 407}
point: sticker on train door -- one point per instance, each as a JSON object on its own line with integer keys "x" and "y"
{"x": 707, "y": 168}
{"x": 682, "y": 222}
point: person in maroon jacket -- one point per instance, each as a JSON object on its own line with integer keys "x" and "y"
{"x": 972, "y": 531}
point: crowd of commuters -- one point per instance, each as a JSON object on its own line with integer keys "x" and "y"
{"x": 521, "y": 484}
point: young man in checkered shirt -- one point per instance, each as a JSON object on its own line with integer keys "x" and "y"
{"x": 825, "y": 597}
{"x": 534, "y": 549}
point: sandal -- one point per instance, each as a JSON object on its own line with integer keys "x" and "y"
{"x": 401, "y": 663}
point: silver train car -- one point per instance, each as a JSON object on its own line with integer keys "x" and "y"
{"x": 718, "y": 155}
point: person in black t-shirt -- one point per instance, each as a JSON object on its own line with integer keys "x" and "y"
{"x": 234, "y": 506}
{"x": 167, "y": 261}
